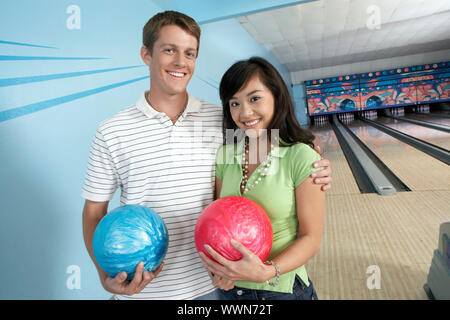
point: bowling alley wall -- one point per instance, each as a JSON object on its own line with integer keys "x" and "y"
{"x": 65, "y": 66}
{"x": 397, "y": 87}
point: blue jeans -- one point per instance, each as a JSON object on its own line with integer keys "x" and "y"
{"x": 213, "y": 295}
{"x": 300, "y": 291}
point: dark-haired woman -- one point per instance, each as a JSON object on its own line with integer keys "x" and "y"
{"x": 271, "y": 164}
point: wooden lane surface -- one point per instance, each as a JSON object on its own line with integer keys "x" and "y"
{"x": 343, "y": 181}
{"x": 427, "y": 118}
{"x": 433, "y": 136}
{"x": 398, "y": 234}
{"x": 416, "y": 169}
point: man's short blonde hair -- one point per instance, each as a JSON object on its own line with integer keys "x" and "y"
{"x": 151, "y": 29}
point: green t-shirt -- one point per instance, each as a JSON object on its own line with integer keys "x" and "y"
{"x": 275, "y": 193}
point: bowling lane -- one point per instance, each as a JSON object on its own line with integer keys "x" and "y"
{"x": 444, "y": 113}
{"x": 433, "y": 136}
{"x": 416, "y": 169}
{"x": 343, "y": 180}
{"x": 427, "y": 118}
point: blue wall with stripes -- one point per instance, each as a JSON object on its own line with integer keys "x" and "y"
{"x": 64, "y": 67}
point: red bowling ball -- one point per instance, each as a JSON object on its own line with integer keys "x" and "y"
{"x": 236, "y": 218}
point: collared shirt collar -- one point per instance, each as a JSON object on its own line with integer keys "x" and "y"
{"x": 278, "y": 152}
{"x": 193, "y": 105}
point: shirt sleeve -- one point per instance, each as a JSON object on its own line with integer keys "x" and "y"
{"x": 101, "y": 179}
{"x": 303, "y": 157}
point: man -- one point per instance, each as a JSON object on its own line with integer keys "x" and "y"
{"x": 152, "y": 151}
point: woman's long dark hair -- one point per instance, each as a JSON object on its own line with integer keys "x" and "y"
{"x": 284, "y": 119}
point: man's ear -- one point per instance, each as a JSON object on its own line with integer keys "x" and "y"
{"x": 146, "y": 55}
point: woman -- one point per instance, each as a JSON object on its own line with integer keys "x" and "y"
{"x": 271, "y": 165}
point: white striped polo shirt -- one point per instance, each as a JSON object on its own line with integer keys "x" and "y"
{"x": 169, "y": 168}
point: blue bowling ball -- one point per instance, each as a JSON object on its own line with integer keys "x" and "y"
{"x": 128, "y": 235}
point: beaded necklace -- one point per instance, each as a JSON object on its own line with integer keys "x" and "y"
{"x": 262, "y": 169}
